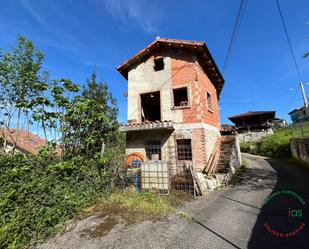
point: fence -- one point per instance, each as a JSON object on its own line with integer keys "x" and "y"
{"x": 300, "y": 130}
{"x": 165, "y": 168}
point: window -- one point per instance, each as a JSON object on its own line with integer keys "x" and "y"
{"x": 158, "y": 64}
{"x": 180, "y": 97}
{"x": 184, "y": 150}
{"x": 209, "y": 101}
{"x": 150, "y": 107}
{"x": 153, "y": 149}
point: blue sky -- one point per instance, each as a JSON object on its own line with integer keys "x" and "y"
{"x": 76, "y": 34}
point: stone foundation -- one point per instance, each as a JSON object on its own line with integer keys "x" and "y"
{"x": 300, "y": 149}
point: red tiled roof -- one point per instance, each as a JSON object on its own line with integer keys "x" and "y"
{"x": 227, "y": 127}
{"x": 204, "y": 57}
{"x": 27, "y": 141}
{"x": 247, "y": 114}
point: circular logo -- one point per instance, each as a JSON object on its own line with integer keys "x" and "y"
{"x": 284, "y": 213}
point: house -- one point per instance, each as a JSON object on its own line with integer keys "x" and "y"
{"x": 173, "y": 92}
{"x": 253, "y": 125}
{"x": 227, "y": 129}
{"x": 300, "y": 114}
{"x": 27, "y": 142}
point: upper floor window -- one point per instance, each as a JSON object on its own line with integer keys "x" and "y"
{"x": 158, "y": 64}
{"x": 180, "y": 97}
{"x": 209, "y": 101}
{"x": 150, "y": 107}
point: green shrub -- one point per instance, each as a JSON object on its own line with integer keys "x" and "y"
{"x": 276, "y": 145}
{"x": 35, "y": 198}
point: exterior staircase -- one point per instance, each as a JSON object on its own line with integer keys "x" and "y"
{"x": 226, "y": 150}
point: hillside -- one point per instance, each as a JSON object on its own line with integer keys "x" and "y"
{"x": 276, "y": 145}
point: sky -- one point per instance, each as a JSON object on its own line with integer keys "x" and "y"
{"x": 75, "y": 35}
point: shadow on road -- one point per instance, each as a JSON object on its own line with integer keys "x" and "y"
{"x": 250, "y": 180}
{"x": 275, "y": 212}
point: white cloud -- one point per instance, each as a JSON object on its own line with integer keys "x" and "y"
{"x": 141, "y": 12}
{"x": 35, "y": 13}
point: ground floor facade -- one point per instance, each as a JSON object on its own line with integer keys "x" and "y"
{"x": 179, "y": 144}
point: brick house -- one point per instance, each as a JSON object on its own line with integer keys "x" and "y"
{"x": 27, "y": 142}
{"x": 173, "y": 92}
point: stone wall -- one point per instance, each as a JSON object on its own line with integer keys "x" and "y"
{"x": 300, "y": 149}
{"x": 235, "y": 161}
{"x": 253, "y": 135}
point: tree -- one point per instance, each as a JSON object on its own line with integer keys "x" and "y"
{"x": 91, "y": 120}
{"x": 21, "y": 82}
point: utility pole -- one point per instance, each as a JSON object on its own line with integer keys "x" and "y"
{"x": 304, "y": 94}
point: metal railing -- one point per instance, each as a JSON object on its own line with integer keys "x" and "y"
{"x": 300, "y": 130}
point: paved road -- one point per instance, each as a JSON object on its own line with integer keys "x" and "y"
{"x": 234, "y": 217}
{"x": 229, "y": 218}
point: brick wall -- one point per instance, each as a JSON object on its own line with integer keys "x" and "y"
{"x": 199, "y": 148}
{"x": 186, "y": 70}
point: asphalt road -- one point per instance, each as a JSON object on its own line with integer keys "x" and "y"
{"x": 232, "y": 217}
{"x": 235, "y": 216}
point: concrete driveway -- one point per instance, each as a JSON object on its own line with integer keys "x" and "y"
{"x": 233, "y": 217}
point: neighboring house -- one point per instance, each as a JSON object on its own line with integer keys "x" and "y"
{"x": 300, "y": 114}
{"x": 173, "y": 91}
{"x": 227, "y": 129}
{"x": 278, "y": 123}
{"x": 27, "y": 142}
{"x": 253, "y": 125}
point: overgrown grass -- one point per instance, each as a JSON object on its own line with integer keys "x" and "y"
{"x": 276, "y": 145}
{"x": 126, "y": 207}
{"x": 143, "y": 202}
{"x": 37, "y": 196}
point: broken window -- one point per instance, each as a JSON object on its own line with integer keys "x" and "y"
{"x": 150, "y": 107}
{"x": 184, "y": 149}
{"x": 209, "y": 101}
{"x": 158, "y": 64}
{"x": 153, "y": 149}
{"x": 180, "y": 97}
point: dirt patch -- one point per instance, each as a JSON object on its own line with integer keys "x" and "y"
{"x": 113, "y": 215}
{"x": 178, "y": 198}
{"x": 100, "y": 230}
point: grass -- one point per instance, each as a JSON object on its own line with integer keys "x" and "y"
{"x": 300, "y": 129}
{"x": 276, "y": 145}
{"x": 128, "y": 208}
{"x": 143, "y": 203}
{"x": 236, "y": 177}
{"x": 244, "y": 164}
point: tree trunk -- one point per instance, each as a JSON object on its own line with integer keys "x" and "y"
{"x": 17, "y": 131}
{"x": 102, "y": 148}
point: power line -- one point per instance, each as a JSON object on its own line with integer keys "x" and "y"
{"x": 289, "y": 41}
{"x": 241, "y": 9}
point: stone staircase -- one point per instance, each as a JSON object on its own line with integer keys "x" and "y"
{"x": 226, "y": 148}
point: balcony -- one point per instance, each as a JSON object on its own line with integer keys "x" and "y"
{"x": 157, "y": 125}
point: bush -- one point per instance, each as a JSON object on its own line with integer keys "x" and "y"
{"x": 37, "y": 196}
